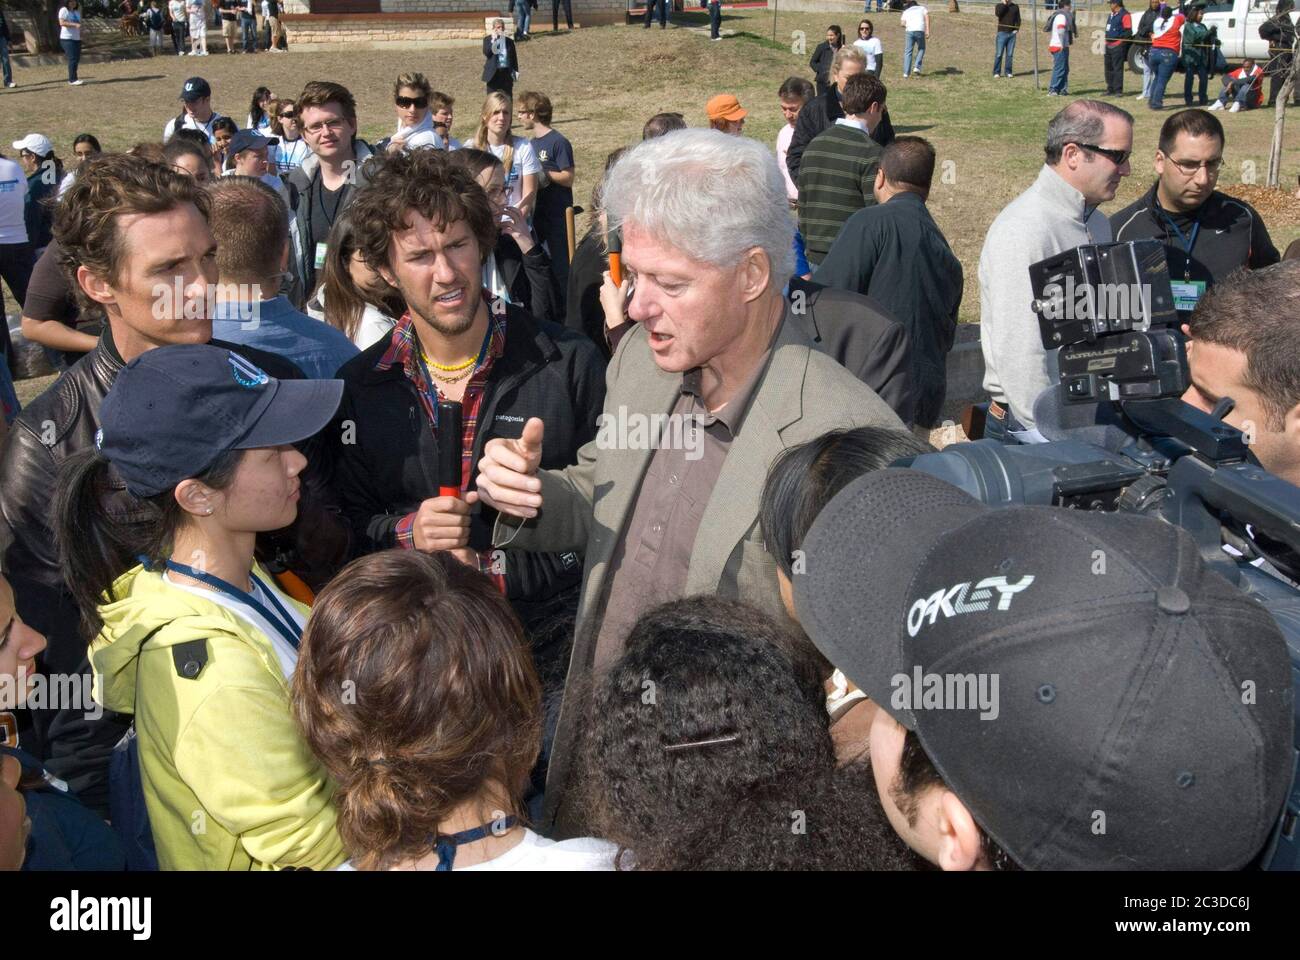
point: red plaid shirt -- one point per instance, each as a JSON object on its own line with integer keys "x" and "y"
{"x": 403, "y": 350}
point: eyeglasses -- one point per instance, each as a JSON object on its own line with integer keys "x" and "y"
{"x": 1192, "y": 167}
{"x": 334, "y": 126}
{"x": 1117, "y": 157}
{"x": 286, "y": 116}
{"x": 406, "y": 102}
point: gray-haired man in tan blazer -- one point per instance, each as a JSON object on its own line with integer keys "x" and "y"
{"x": 716, "y": 379}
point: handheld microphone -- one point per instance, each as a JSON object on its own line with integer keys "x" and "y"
{"x": 614, "y": 241}
{"x": 449, "y": 448}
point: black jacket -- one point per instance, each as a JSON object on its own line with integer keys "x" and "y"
{"x": 1231, "y": 236}
{"x": 4, "y": 28}
{"x": 895, "y": 253}
{"x": 544, "y": 371}
{"x": 1145, "y": 24}
{"x": 584, "y": 314}
{"x": 60, "y": 422}
{"x": 490, "y": 65}
{"x": 860, "y": 335}
{"x": 818, "y": 114}
{"x": 529, "y": 279}
{"x": 1008, "y": 16}
{"x": 823, "y": 55}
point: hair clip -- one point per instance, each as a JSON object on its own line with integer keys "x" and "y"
{"x": 730, "y": 738}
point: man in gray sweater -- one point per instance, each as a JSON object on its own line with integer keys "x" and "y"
{"x": 1088, "y": 148}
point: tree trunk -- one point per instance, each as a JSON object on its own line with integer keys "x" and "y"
{"x": 45, "y": 22}
{"x": 1279, "y": 119}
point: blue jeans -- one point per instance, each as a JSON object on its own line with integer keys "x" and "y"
{"x": 1238, "y": 90}
{"x": 1060, "y": 82}
{"x": 248, "y": 28}
{"x": 523, "y": 18}
{"x": 1162, "y": 63}
{"x": 1148, "y": 76}
{"x": 72, "y": 50}
{"x": 880, "y": 5}
{"x": 1006, "y": 46}
{"x": 913, "y": 38}
{"x": 715, "y": 19}
{"x": 4, "y": 61}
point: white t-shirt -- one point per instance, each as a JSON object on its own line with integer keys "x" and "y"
{"x": 198, "y": 17}
{"x": 13, "y": 195}
{"x": 70, "y": 33}
{"x": 285, "y": 652}
{"x": 914, "y": 18}
{"x": 782, "y": 148}
{"x": 176, "y": 9}
{"x": 525, "y": 161}
{"x": 191, "y": 123}
{"x": 1060, "y": 26}
{"x": 288, "y": 155}
{"x": 872, "y": 48}
{"x": 536, "y": 853}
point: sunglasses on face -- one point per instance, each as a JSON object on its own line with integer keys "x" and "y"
{"x": 1117, "y": 157}
{"x": 287, "y": 116}
{"x": 406, "y": 102}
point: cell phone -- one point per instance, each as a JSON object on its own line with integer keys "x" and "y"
{"x": 614, "y": 243}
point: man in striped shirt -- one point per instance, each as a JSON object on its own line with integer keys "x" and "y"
{"x": 838, "y": 169}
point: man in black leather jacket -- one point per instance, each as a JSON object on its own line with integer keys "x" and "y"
{"x": 132, "y": 272}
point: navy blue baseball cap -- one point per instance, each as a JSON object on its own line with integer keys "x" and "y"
{"x": 174, "y": 410}
{"x": 249, "y": 140}
{"x": 196, "y": 88}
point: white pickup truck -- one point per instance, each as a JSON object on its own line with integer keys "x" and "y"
{"x": 1237, "y": 22}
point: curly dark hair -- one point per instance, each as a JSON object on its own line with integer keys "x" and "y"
{"x": 424, "y": 182}
{"x": 708, "y": 748}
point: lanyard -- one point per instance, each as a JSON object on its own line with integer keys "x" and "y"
{"x": 338, "y": 200}
{"x": 284, "y": 623}
{"x": 446, "y": 846}
{"x": 1187, "y": 242}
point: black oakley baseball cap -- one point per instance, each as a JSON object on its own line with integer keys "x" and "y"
{"x": 1094, "y": 693}
{"x": 174, "y": 410}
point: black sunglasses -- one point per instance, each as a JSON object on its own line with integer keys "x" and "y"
{"x": 287, "y": 115}
{"x": 1117, "y": 157}
{"x": 418, "y": 102}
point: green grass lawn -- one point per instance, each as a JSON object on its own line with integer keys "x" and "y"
{"x": 606, "y": 81}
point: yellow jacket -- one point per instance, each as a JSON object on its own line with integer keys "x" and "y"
{"x": 228, "y": 781}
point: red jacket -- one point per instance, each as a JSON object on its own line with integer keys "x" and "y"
{"x": 1168, "y": 34}
{"x": 1257, "y": 82}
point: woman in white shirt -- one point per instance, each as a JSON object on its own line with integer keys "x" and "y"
{"x": 259, "y": 115}
{"x": 176, "y": 13}
{"x": 870, "y": 45}
{"x": 411, "y": 95}
{"x": 289, "y": 154}
{"x": 515, "y": 153}
{"x": 352, "y": 297}
{"x": 415, "y": 688}
{"x": 70, "y": 38}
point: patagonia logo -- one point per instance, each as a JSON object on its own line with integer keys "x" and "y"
{"x": 247, "y": 374}
{"x": 508, "y": 418}
{"x": 960, "y": 599}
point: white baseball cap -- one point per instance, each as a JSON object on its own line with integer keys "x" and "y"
{"x": 35, "y": 143}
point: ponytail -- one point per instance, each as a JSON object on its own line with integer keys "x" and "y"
{"x": 102, "y": 531}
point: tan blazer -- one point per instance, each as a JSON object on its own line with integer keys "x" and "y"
{"x": 802, "y": 394}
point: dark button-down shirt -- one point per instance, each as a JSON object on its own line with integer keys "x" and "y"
{"x": 653, "y": 555}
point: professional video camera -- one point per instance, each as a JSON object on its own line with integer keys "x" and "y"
{"x": 1120, "y": 438}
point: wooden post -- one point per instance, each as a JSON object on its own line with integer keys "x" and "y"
{"x": 571, "y": 231}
